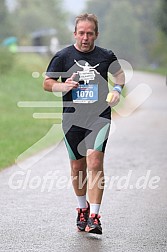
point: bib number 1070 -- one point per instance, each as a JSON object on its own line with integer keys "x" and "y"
{"x": 84, "y": 94}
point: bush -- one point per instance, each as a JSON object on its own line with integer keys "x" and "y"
{"x": 7, "y": 60}
{"x": 158, "y": 52}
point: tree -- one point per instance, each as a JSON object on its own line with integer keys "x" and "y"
{"x": 30, "y": 16}
{"x": 120, "y": 34}
{"x": 5, "y": 25}
{"x": 126, "y": 26}
{"x": 159, "y": 48}
{"x": 162, "y": 17}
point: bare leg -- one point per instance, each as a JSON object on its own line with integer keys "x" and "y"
{"x": 96, "y": 176}
{"x": 79, "y": 174}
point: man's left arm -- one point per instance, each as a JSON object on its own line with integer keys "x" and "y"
{"x": 119, "y": 78}
{"x": 113, "y": 97}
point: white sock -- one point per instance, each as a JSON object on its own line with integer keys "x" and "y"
{"x": 94, "y": 208}
{"x": 82, "y": 203}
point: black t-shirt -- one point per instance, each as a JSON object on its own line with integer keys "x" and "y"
{"x": 95, "y": 64}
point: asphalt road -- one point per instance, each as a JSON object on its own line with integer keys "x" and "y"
{"x": 37, "y": 203}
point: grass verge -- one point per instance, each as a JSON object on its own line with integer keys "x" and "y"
{"x": 19, "y": 131}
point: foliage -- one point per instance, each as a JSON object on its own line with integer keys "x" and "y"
{"x": 7, "y": 61}
{"x": 158, "y": 51}
{"x": 5, "y": 24}
{"x": 131, "y": 28}
{"x": 36, "y": 15}
{"x": 126, "y": 26}
{"x": 162, "y": 16}
{"x": 125, "y": 38}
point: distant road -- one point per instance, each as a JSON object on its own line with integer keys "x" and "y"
{"x": 38, "y": 204}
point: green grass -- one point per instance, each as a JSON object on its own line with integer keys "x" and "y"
{"x": 159, "y": 70}
{"x": 18, "y": 129}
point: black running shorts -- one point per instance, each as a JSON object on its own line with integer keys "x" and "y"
{"x": 78, "y": 140}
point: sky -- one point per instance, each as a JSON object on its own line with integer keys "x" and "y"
{"x": 10, "y": 4}
{"x": 75, "y": 6}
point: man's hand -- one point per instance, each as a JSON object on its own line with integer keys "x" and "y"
{"x": 113, "y": 98}
{"x": 70, "y": 83}
{"x": 52, "y": 85}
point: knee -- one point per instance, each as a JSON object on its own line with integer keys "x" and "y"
{"x": 77, "y": 168}
{"x": 95, "y": 165}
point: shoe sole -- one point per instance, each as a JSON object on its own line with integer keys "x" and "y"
{"x": 93, "y": 230}
{"x": 80, "y": 230}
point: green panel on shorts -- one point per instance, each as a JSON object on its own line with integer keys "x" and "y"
{"x": 70, "y": 152}
{"x": 101, "y": 137}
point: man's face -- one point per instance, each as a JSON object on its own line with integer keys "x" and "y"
{"x": 85, "y": 36}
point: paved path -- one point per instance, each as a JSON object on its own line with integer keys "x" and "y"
{"x": 37, "y": 210}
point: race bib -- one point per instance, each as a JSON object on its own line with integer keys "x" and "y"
{"x": 85, "y": 93}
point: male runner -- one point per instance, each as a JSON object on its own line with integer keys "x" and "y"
{"x": 83, "y": 68}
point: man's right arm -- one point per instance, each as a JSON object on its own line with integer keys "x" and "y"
{"x": 52, "y": 85}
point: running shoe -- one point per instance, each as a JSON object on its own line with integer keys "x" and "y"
{"x": 94, "y": 224}
{"x": 83, "y": 215}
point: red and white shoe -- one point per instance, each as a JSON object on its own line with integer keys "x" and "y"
{"x": 82, "y": 218}
{"x": 94, "y": 224}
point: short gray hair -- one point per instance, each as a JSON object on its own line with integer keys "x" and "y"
{"x": 89, "y": 17}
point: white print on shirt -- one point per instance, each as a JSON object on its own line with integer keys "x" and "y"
{"x": 88, "y": 72}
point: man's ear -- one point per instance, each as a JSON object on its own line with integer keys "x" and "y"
{"x": 74, "y": 34}
{"x": 97, "y": 35}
